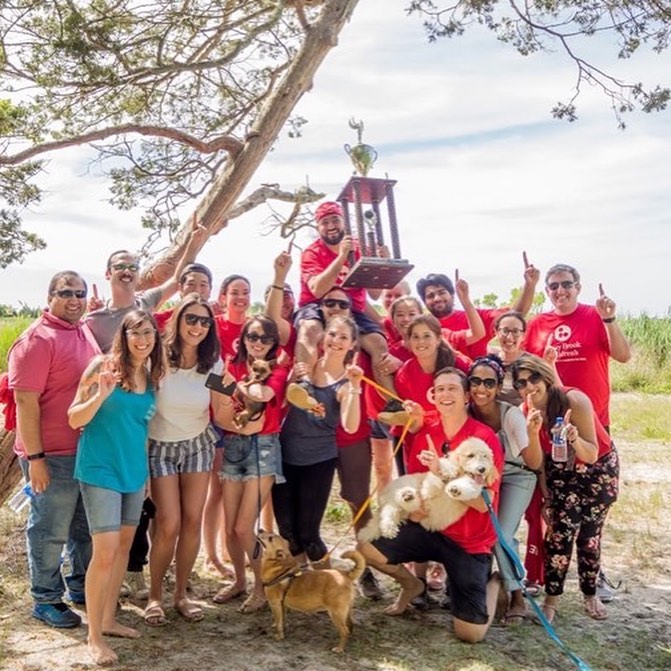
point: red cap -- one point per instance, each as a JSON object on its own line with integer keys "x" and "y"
{"x": 327, "y": 208}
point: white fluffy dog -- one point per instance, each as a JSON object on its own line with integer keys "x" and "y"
{"x": 443, "y": 498}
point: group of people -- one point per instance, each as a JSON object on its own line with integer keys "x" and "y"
{"x": 211, "y": 416}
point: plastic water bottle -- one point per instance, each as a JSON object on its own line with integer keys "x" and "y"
{"x": 21, "y": 498}
{"x": 559, "y": 446}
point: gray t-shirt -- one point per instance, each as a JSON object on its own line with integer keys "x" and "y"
{"x": 104, "y": 323}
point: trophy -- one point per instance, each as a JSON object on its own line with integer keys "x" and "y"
{"x": 371, "y": 271}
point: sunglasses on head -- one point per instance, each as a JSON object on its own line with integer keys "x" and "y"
{"x": 263, "y": 339}
{"x": 133, "y": 267}
{"x": 70, "y": 293}
{"x": 192, "y": 319}
{"x": 522, "y": 382}
{"x": 564, "y": 284}
{"x": 335, "y": 302}
{"x": 489, "y": 382}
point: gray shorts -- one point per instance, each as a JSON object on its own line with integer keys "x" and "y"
{"x": 184, "y": 456}
{"x": 248, "y": 457}
{"x": 108, "y": 510}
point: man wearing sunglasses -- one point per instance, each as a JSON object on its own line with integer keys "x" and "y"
{"x": 44, "y": 367}
{"x": 585, "y": 338}
{"x": 123, "y": 273}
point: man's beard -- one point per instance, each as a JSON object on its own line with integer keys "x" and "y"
{"x": 334, "y": 239}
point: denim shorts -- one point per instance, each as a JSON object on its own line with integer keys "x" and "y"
{"x": 107, "y": 510}
{"x": 183, "y": 456}
{"x": 248, "y": 457}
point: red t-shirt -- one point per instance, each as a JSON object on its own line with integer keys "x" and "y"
{"x": 344, "y": 439}
{"x": 583, "y": 352}
{"x": 390, "y": 332}
{"x": 277, "y": 381}
{"x": 474, "y": 532}
{"x": 162, "y": 318}
{"x": 229, "y": 336}
{"x": 314, "y": 261}
{"x": 458, "y": 321}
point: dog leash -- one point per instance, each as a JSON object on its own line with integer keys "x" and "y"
{"x": 518, "y": 571}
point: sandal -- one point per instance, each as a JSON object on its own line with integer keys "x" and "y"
{"x": 154, "y": 615}
{"x": 595, "y": 608}
{"x": 189, "y": 610}
{"x": 514, "y": 618}
{"x": 533, "y": 589}
{"x": 228, "y": 593}
{"x": 253, "y": 603}
{"x": 550, "y": 613}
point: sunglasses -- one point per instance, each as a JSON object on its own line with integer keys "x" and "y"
{"x": 522, "y": 382}
{"x": 133, "y": 267}
{"x": 263, "y": 339}
{"x": 516, "y": 333}
{"x": 192, "y": 320}
{"x": 489, "y": 382}
{"x": 70, "y": 293}
{"x": 565, "y": 284}
{"x": 334, "y": 302}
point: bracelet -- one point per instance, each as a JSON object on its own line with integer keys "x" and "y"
{"x": 34, "y": 457}
{"x": 608, "y": 320}
{"x": 277, "y": 286}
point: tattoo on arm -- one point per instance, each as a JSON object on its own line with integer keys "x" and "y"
{"x": 90, "y": 391}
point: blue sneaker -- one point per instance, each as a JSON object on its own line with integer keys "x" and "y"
{"x": 56, "y": 615}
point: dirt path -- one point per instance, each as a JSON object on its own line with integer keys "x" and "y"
{"x": 636, "y": 636}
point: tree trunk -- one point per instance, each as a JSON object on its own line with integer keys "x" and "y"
{"x": 212, "y": 211}
{"x": 10, "y": 472}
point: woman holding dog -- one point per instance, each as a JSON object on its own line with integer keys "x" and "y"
{"x": 464, "y": 548}
{"x": 577, "y": 493}
{"x": 181, "y": 452}
{"x": 252, "y": 459}
{"x": 309, "y": 448}
{"x": 523, "y": 457}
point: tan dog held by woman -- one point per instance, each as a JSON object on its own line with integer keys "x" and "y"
{"x": 288, "y": 584}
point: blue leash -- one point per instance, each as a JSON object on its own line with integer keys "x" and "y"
{"x": 518, "y": 571}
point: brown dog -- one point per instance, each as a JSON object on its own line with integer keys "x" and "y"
{"x": 290, "y": 585}
{"x": 251, "y": 409}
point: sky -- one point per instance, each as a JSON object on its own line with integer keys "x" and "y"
{"x": 483, "y": 170}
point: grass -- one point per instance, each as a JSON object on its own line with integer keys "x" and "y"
{"x": 10, "y": 329}
{"x": 637, "y": 417}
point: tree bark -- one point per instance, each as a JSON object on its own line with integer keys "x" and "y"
{"x": 213, "y": 210}
{"x": 10, "y": 472}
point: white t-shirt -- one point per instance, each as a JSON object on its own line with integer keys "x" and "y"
{"x": 514, "y": 425}
{"x": 182, "y": 405}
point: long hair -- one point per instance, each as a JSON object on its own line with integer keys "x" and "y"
{"x": 120, "y": 352}
{"x": 269, "y": 328}
{"x": 558, "y": 402}
{"x": 445, "y": 356}
{"x": 208, "y": 348}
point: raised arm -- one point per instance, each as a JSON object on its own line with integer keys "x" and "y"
{"x": 96, "y": 384}
{"x": 531, "y": 276}
{"x": 620, "y": 349}
{"x": 281, "y": 268}
{"x": 476, "y": 330}
{"x": 322, "y": 282}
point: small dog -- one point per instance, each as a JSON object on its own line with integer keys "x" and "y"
{"x": 290, "y": 585}
{"x": 251, "y": 409}
{"x": 443, "y": 498}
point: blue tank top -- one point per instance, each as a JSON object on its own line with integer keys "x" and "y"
{"x": 112, "y": 449}
{"x": 307, "y": 439}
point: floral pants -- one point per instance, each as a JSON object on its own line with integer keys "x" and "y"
{"x": 579, "y": 503}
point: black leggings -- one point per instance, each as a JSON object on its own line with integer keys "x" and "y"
{"x": 299, "y": 506}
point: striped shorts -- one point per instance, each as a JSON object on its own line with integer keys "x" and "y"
{"x": 195, "y": 455}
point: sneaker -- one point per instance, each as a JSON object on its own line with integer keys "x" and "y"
{"x": 605, "y": 589}
{"x": 369, "y": 587}
{"x": 393, "y": 414}
{"x": 56, "y": 615}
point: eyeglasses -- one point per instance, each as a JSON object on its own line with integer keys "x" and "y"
{"x": 522, "y": 382}
{"x": 333, "y": 302}
{"x": 70, "y": 293}
{"x": 564, "y": 284}
{"x": 146, "y": 333}
{"x": 192, "y": 319}
{"x": 515, "y": 333}
{"x": 263, "y": 339}
{"x": 133, "y": 267}
{"x": 489, "y": 382}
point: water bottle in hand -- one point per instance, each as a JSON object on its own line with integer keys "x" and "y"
{"x": 559, "y": 445}
{"x": 21, "y": 498}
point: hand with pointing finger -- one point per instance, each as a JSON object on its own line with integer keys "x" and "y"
{"x": 570, "y": 429}
{"x": 534, "y": 418}
{"x": 460, "y": 287}
{"x": 605, "y": 306}
{"x": 531, "y": 273}
{"x": 94, "y": 302}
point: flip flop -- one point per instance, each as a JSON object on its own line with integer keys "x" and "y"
{"x": 595, "y": 608}
{"x": 228, "y": 593}
{"x": 154, "y": 615}
{"x": 189, "y": 610}
{"x": 253, "y": 603}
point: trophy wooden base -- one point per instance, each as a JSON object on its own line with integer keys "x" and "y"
{"x": 377, "y": 273}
